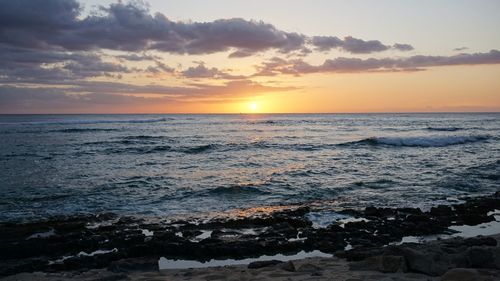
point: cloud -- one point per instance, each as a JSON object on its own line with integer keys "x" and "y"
{"x": 51, "y": 53}
{"x": 93, "y": 66}
{"x": 87, "y": 96}
{"x": 403, "y": 47}
{"x": 460, "y": 49}
{"x": 14, "y": 99}
{"x": 326, "y": 43}
{"x": 277, "y": 66}
{"x": 354, "y": 45}
{"x": 240, "y": 54}
{"x": 358, "y": 46}
{"x": 45, "y": 66}
{"x": 201, "y": 71}
{"x": 160, "y": 68}
{"x": 193, "y": 90}
{"x": 56, "y": 24}
{"x": 138, "y": 57}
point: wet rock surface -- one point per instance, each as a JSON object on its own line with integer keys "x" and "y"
{"x": 434, "y": 258}
{"x": 118, "y": 243}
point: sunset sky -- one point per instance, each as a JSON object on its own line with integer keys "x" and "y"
{"x": 228, "y": 56}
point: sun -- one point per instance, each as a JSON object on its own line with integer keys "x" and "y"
{"x": 252, "y": 106}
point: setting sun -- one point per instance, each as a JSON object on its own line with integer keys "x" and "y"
{"x": 252, "y": 106}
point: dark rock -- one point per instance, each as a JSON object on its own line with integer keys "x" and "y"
{"x": 480, "y": 257}
{"x": 113, "y": 277}
{"x": 309, "y": 268}
{"x": 480, "y": 241}
{"x": 261, "y": 264}
{"x": 358, "y": 254}
{"x": 135, "y": 264}
{"x": 90, "y": 233}
{"x": 191, "y": 233}
{"x": 383, "y": 263}
{"x": 428, "y": 262}
{"x": 215, "y": 277}
{"x": 497, "y": 257}
{"x": 288, "y": 266}
{"x": 413, "y": 211}
{"x": 441, "y": 210}
{"x": 418, "y": 218}
{"x": 461, "y": 274}
{"x": 378, "y": 212}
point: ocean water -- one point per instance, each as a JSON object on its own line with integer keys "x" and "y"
{"x": 190, "y": 165}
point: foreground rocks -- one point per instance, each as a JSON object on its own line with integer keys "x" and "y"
{"x": 126, "y": 244}
{"x": 433, "y": 258}
{"x": 306, "y": 269}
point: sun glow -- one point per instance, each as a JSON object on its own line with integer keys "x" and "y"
{"x": 252, "y": 107}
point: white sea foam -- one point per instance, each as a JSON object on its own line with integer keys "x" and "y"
{"x": 46, "y": 234}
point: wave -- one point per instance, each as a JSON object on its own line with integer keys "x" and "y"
{"x": 132, "y": 143}
{"x": 138, "y": 149}
{"x": 152, "y": 148}
{"x": 444, "y": 129}
{"x": 236, "y": 190}
{"x": 199, "y": 149}
{"x": 424, "y": 141}
{"x": 82, "y": 130}
{"x": 144, "y": 137}
{"x": 98, "y": 121}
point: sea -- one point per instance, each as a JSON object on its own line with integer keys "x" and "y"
{"x": 174, "y": 166}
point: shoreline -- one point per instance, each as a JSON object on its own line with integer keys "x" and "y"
{"x": 103, "y": 242}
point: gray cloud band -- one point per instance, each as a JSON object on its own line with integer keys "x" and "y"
{"x": 277, "y": 66}
{"x": 57, "y": 24}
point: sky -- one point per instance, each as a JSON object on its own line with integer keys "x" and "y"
{"x": 236, "y": 56}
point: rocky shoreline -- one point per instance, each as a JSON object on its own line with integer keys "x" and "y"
{"x": 127, "y": 244}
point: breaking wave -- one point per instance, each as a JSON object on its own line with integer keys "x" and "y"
{"x": 424, "y": 141}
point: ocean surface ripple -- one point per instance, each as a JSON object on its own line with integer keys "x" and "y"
{"x": 174, "y": 165}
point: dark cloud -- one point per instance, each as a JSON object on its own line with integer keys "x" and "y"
{"x": 348, "y": 65}
{"x": 160, "y": 68}
{"x": 201, "y": 71}
{"x": 55, "y": 24}
{"x": 403, "y": 47}
{"x": 354, "y": 45}
{"x": 460, "y": 49}
{"x": 93, "y": 66}
{"x": 326, "y": 43}
{"x": 358, "y": 46}
{"x": 138, "y": 57}
{"x": 240, "y": 54}
{"x": 45, "y": 66}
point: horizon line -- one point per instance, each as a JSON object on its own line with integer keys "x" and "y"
{"x": 269, "y": 113}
